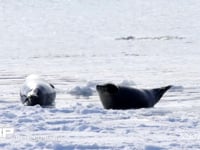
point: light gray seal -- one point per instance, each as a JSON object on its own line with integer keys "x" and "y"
{"x": 36, "y": 90}
{"x": 120, "y": 97}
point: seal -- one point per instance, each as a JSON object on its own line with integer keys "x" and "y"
{"x": 36, "y": 90}
{"x": 120, "y": 97}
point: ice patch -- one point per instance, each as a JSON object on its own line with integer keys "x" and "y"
{"x": 9, "y": 115}
{"x": 150, "y": 147}
{"x": 167, "y": 37}
{"x": 81, "y": 147}
{"x": 89, "y": 109}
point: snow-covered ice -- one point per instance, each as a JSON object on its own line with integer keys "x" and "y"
{"x": 77, "y": 44}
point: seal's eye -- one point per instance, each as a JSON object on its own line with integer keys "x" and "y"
{"x": 111, "y": 88}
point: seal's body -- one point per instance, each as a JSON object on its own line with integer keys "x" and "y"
{"x": 37, "y": 91}
{"x": 119, "y": 97}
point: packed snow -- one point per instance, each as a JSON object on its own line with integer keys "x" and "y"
{"x": 77, "y": 44}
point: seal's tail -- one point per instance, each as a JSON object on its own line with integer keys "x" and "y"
{"x": 159, "y": 92}
{"x": 168, "y": 87}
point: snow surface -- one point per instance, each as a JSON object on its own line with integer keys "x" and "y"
{"x": 76, "y": 44}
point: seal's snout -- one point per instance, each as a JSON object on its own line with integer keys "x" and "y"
{"x": 32, "y": 98}
{"x": 97, "y": 87}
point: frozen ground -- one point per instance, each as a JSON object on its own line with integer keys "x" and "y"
{"x": 76, "y": 44}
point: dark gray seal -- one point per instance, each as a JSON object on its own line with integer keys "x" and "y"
{"x": 37, "y": 91}
{"x": 120, "y": 97}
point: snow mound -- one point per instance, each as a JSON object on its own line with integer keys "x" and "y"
{"x": 85, "y": 91}
{"x": 150, "y": 147}
{"x": 127, "y": 83}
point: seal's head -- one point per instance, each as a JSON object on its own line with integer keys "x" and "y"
{"x": 107, "y": 88}
{"x": 36, "y": 90}
{"x": 33, "y": 98}
{"x": 107, "y": 93}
